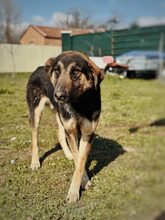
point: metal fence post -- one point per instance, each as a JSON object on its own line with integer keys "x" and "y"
{"x": 66, "y": 40}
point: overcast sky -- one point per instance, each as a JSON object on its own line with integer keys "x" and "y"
{"x": 48, "y": 12}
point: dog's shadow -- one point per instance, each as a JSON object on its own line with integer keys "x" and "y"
{"x": 103, "y": 152}
{"x": 157, "y": 123}
{"x": 56, "y": 148}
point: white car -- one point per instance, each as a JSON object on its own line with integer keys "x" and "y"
{"x": 141, "y": 63}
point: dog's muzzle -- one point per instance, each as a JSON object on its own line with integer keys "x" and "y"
{"x": 60, "y": 96}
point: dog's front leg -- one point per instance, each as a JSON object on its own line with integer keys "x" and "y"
{"x": 84, "y": 149}
{"x": 80, "y": 176}
{"x": 73, "y": 144}
{"x": 62, "y": 139}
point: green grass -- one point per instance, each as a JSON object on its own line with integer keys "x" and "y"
{"x": 126, "y": 165}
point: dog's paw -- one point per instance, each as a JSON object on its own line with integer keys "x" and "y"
{"x": 72, "y": 196}
{"x": 85, "y": 182}
{"x": 35, "y": 165}
{"x": 86, "y": 185}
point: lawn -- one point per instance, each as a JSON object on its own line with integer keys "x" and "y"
{"x": 126, "y": 165}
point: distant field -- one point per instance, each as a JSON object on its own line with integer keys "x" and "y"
{"x": 126, "y": 165}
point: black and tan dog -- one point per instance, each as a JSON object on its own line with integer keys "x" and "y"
{"x": 71, "y": 83}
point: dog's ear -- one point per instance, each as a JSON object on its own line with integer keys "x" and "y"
{"x": 49, "y": 66}
{"x": 97, "y": 73}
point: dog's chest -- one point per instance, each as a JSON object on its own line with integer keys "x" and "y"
{"x": 68, "y": 112}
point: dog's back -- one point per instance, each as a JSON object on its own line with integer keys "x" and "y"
{"x": 39, "y": 86}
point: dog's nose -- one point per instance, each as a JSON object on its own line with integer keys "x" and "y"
{"x": 60, "y": 96}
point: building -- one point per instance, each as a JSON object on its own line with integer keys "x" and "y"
{"x": 43, "y": 35}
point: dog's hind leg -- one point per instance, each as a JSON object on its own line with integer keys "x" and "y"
{"x": 35, "y": 163}
{"x": 62, "y": 139}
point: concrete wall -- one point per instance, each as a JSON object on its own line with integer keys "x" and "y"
{"x": 25, "y": 58}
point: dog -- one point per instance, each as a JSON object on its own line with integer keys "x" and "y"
{"x": 70, "y": 83}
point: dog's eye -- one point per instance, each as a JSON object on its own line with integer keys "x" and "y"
{"x": 57, "y": 71}
{"x": 76, "y": 72}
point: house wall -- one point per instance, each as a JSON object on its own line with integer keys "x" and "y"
{"x": 31, "y": 36}
{"x": 25, "y": 58}
{"x": 50, "y": 41}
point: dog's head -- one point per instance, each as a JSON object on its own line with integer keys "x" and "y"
{"x": 72, "y": 74}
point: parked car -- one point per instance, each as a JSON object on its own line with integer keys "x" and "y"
{"x": 141, "y": 64}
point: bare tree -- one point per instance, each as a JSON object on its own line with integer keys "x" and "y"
{"x": 9, "y": 17}
{"x": 11, "y": 49}
{"x": 76, "y": 19}
{"x": 110, "y": 24}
